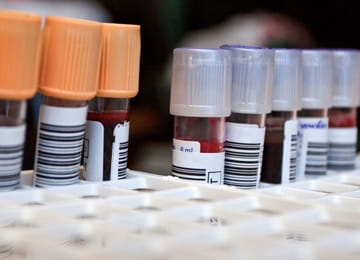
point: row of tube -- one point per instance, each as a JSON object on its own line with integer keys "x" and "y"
{"x": 248, "y": 114}
{"x": 87, "y": 71}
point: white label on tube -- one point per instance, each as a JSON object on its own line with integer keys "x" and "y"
{"x": 59, "y": 145}
{"x": 189, "y": 163}
{"x": 342, "y": 147}
{"x": 243, "y": 154}
{"x": 289, "y": 152}
{"x": 12, "y": 140}
{"x": 313, "y": 146}
{"x": 120, "y": 151}
{"x": 94, "y": 151}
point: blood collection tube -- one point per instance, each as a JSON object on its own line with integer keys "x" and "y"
{"x": 313, "y": 118}
{"x": 200, "y": 101}
{"x": 68, "y": 79}
{"x": 343, "y": 114}
{"x": 20, "y": 37}
{"x": 252, "y": 83}
{"x": 279, "y": 158}
{"x": 107, "y": 131}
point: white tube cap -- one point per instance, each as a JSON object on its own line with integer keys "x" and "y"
{"x": 288, "y": 80}
{"x": 346, "y": 88}
{"x": 317, "y": 79}
{"x": 201, "y": 83}
{"x": 253, "y": 79}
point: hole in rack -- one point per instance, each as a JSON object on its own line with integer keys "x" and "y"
{"x": 20, "y": 224}
{"x": 264, "y": 211}
{"x": 6, "y": 250}
{"x": 91, "y": 197}
{"x": 33, "y": 203}
{"x": 145, "y": 189}
{"x": 296, "y": 236}
{"x": 351, "y": 183}
{"x": 200, "y": 200}
{"x": 338, "y": 225}
{"x": 214, "y": 221}
{"x": 87, "y": 216}
{"x": 152, "y": 230}
{"x": 323, "y": 191}
{"x": 77, "y": 241}
{"x": 147, "y": 208}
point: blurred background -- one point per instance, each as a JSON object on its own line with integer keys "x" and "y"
{"x": 166, "y": 24}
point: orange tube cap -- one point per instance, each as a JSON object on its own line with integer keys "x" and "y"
{"x": 119, "y": 73}
{"x": 70, "y": 58}
{"x": 20, "y": 39}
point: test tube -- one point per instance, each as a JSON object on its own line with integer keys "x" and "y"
{"x": 253, "y": 79}
{"x": 68, "y": 79}
{"x": 107, "y": 130}
{"x": 279, "y": 158}
{"x": 20, "y": 37}
{"x": 200, "y": 101}
{"x": 343, "y": 114}
{"x": 313, "y": 118}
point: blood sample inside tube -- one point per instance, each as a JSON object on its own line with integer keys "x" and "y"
{"x": 342, "y": 117}
{"x": 109, "y": 121}
{"x": 208, "y": 132}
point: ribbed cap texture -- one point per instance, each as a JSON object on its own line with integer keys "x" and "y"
{"x": 119, "y": 72}
{"x": 253, "y": 79}
{"x": 288, "y": 80}
{"x": 346, "y": 88}
{"x": 71, "y": 58}
{"x": 201, "y": 83}
{"x": 317, "y": 79}
{"x": 20, "y": 39}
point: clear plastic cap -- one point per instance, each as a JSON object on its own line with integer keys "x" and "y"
{"x": 253, "y": 79}
{"x": 201, "y": 83}
{"x": 346, "y": 88}
{"x": 288, "y": 80}
{"x": 317, "y": 79}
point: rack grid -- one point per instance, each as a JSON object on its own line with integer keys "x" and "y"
{"x": 148, "y": 216}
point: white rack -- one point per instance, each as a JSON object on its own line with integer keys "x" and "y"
{"x": 148, "y": 216}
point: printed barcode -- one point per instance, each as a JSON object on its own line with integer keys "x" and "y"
{"x": 242, "y": 164}
{"x": 316, "y": 158}
{"x": 189, "y": 173}
{"x": 342, "y": 155}
{"x": 59, "y": 154}
{"x": 122, "y": 164}
{"x": 293, "y": 152}
{"x": 10, "y": 166}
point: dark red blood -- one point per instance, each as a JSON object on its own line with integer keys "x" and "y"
{"x": 342, "y": 121}
{"x": 112, "y": 118}
{"x": 109, "y": 121}
{"x": 207, "y": 147}
{"x": 206, "y": 131}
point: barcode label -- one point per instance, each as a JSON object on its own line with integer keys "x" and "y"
{"x": 197, "y": 174}
{"x": 120, "y": 151}
{"x": 11, "y": 155}
{"x": 60, "y": 144}
{"x": 190, "y": 164}
{"x": 293, "y": 152}
{"x": 342, "y": 148}
{"x": 243, "y": 155}
{"x": 312, "y": 147}
{"x": 316, "y": 155}
{"x": 288, "y": 171}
